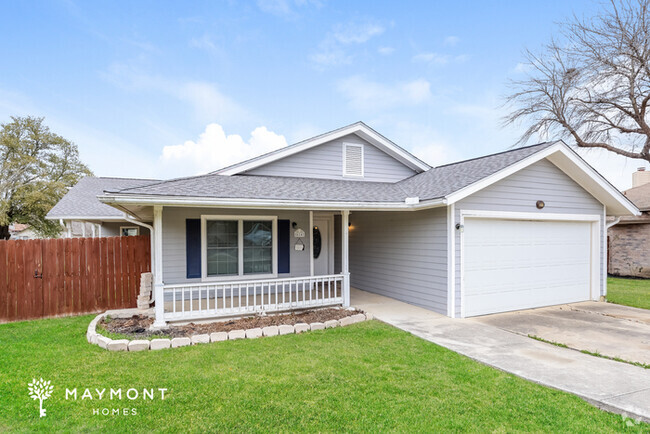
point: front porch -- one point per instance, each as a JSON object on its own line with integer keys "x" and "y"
{"x": 244, "y": 262}
{"x": 224, "y": 299}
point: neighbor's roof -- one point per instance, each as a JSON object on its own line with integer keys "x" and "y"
{"x": 640, "y": 196}
{"x": 434, "y": 183}
{"x": 81, "y": 200}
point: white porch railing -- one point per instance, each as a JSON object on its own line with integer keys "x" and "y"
{"x": 221, "y": 299}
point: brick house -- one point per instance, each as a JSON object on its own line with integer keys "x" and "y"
{"x": 629, "y": 239}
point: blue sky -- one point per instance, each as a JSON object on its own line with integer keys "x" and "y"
{"x": 165, "y": 89}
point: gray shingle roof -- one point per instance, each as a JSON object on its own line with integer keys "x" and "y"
{"x": 434, "y": 183}
{"x": 81, "y": 200}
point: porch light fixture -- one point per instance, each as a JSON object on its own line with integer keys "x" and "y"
{"x": 540, "y": 204}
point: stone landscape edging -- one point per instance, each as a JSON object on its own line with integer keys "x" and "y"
{"x": 158, "y": 344}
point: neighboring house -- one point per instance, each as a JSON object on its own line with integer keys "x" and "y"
{"x": 83, "y": 215}
{"x": 297, "y": 227}
{"x": 19, "y": 231}
{"x": 629, "y": 238}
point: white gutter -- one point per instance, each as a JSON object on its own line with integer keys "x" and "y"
{"x": 267, "y": 204}
{"x": 614, "y": 223}
{"x": 139, "y": 223}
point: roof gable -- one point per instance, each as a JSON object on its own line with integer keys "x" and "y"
{"x": 359, "y": 129}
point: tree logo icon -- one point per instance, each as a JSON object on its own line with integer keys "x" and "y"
{"x": 40, "y": 390}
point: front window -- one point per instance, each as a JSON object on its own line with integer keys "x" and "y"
{"x": 258, "y": 247}
{"x": 239, "y": 247}
{"x": 223, "y": 247}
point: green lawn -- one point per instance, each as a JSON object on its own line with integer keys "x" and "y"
{"x": 630, "y": 292}
{"x": 365, "y": 377}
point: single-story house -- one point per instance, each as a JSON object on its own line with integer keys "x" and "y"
{"x": 20, "y": 231}
{"x": 299, "y": 226}
{"x": 629, "y": 236}
{"x": 82, "y": 215}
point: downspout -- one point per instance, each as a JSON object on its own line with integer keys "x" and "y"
{"x": 614, "y": 223}
{"x": 139, "y": 223}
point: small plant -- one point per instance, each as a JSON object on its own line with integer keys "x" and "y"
{"x": 557, "y": 344}
{"x": 629, "y": 422}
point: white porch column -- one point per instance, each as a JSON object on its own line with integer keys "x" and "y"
{"x": 345, "y": 260}
{"x": 157, "y": 267}
{"x": 311, "y": 243}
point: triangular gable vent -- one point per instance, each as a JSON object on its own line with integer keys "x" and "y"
{"x": 352, "y": 160}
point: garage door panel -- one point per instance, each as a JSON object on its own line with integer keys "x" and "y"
{"x": 519, "y": 264}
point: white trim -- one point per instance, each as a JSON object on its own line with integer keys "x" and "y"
{"x": 594, "y": 219}
{"x": 329, "y": 218}
{"x": 559, "y": 148}
{"x": 311, "y": 243}
{"x": 359, "y": 129}
{"x": 345, "y": 258}
{"x": 87, "y": 217}
{"x": 451, "y": 261}
{"x": 268, "y": 203}
{"x": 240, "y": 250}
{"x": 344, "y": 148}
{"x": 605, "y": 263}
{"x": 158, "y": 266}
{"x": 129, "y": 227}
{"x": 514, "y": 215}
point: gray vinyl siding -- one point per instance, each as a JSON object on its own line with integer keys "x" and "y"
{"x": 402, "y": 255}
{"x": 520, "y": 192}
{"x": 174, "y": 253}
{"x": 326, "y": 162}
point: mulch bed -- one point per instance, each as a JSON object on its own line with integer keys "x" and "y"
{"x": 137, "y": 326}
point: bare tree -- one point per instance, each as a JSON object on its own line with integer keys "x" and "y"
{"x": 592, "y": 85}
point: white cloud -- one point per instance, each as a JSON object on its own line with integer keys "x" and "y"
{"x": 385, "y": 51}
{"x": 334, "y": 49}
{"x": 356, "y": 33}
{"x": 214, "y": 150}
{"x": 366, "y": 95}
{"x": 285, "y": 8}
{"x": 205, "y": 43}
{"x": 522, "y": 68}
{"x": 207, "y": 101}
{"x": 451, "y": 41}
{"x": 437, "y": 58}
{"x": 615, "y": 168}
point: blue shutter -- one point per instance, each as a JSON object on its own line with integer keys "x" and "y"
{"x": 193, "y": 247}
{"x": 284, "y": 232}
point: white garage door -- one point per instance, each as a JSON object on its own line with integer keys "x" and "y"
{"x": 520, "y": 264}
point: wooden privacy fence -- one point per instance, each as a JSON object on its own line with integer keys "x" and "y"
{"x": 52, "y": 277}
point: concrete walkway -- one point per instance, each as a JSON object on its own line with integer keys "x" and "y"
{"x": 612, "y": 386}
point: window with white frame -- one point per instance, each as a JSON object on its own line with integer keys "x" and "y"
{"x": 239, "y": 246}
{"x": 129, "y": 231}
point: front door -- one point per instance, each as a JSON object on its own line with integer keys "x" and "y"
{"x": 322, "y": 265}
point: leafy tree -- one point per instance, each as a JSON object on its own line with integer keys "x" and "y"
{"x": 36, "y": 168}
{"x": 593, "y": 85}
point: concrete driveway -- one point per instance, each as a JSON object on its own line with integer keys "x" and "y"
{"x": 603, "y": 328}
{"x": 610, "y": 385}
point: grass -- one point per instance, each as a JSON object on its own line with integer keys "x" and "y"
{"x": 591, "y": 353}
{"x": 557, "y": 344}
{"x": 630, "y": 292}
{"x": 365, "y": 377}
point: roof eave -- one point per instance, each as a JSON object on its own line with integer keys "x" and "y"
{"x": 186, "y": 201}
